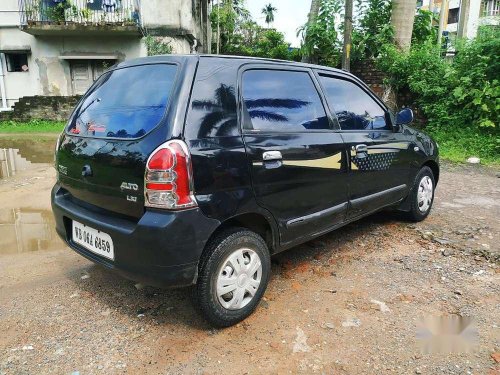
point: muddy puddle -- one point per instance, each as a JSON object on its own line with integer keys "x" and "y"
{"x": 24, "y": 229}
{"x": 24, "y": 153}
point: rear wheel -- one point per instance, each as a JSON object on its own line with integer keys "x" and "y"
{"x": 422, "y": 195}
{"x": 233, "y": 276}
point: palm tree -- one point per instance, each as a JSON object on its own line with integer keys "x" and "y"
{"x": 313, "y": 13}
{"x": 268, "y": 11}
{"x": 403, "y": 14}
{"x": 240, "y": 10}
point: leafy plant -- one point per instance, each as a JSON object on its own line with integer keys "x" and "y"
{"x": 228, "y": 19}
{"x": 372, "y": 28}
{"x": 57, "y": 13}
{"x": 460, "y": 98}
{"x": 85, "y": 13}
{"x": 424, "y": 28}
{"x": 321, "y": 40}
{"x": 157, "y": 46}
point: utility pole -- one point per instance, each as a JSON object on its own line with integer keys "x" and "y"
{"x": 464, "y": 18}
{"x": 346, "y": 53}
{"x": 444, "y": 6}
{"x": 218, "y": 27}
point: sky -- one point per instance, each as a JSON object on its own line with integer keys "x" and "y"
{"x": 291, "y": 15}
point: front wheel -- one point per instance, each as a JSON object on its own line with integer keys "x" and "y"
{"x": 233, "y": 276}
{"x": 422, "y": 195}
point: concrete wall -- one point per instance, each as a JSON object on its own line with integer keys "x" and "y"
{"x": 9, "y": 15}
{"x": 48, "y": 73}
{"x": 184, "y": 20}
{"x": 174, "y": 15}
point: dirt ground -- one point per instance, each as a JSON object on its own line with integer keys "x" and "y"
{"x": 350, "y": 302}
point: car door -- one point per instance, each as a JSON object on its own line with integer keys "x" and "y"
{"x": 379, "y": 158}
{"x": 297, "y": 162}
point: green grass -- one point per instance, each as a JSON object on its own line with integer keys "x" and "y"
{"x": 32, "y": 126}
{"x": 454, "y": 144}
{"x": 458, "y": 145}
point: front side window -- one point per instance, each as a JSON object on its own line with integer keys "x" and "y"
{"x": 281, "y": 101}
{"x": 354, "y": 108}
{"x": 125, "y": 103}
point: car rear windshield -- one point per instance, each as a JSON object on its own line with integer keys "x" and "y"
{"x": 125, "y": 103}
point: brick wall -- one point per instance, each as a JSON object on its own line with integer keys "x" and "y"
{"x": 374, "y": 78}
{"x": 57, "y": 108}
{"x": 368, "y": 73}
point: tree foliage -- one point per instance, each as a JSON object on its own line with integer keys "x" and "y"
{"x": 157, "y": 46}
{"x": 372, "y": 28}
{"x": 268, "y": 12}
{"x": 460, "y": 98}
{"x": 240, "y": 35}
{"x": 321, "y": 40}
{"x": 424, "y": 29}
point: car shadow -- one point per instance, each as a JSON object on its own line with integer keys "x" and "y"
{"x": 330, "y": 243}
{"x": 174, "y": 307}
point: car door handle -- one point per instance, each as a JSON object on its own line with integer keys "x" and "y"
{"x": 361, "y": 150}
{"x": 272, "y": 156}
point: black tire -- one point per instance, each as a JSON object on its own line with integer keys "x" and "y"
{"x": 219, "y": 248}
{"x": 416, "y": 214}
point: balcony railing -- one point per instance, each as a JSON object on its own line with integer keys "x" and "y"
{"x": 80, "y": 12}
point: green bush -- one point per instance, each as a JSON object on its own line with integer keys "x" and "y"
{"x": 460, "y": 98}
{"x": 372, "y": 28}
{"x": 423, "y": 29}
{"x": 157, "y": 46}
{"x": 321, "y": 40}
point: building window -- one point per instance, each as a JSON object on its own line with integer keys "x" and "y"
{"x": 491, "y": 8}
{"x": 453, "y": 15}
{"x": 17, "y": 62}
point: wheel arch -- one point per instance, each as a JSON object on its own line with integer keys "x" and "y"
{"x": 255, "y": 222}
{"x": 434, "y": 166}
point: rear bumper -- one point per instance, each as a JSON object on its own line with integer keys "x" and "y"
{"x": 161, "y": 249}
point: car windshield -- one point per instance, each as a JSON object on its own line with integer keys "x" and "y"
{"x": 125, "y": 103}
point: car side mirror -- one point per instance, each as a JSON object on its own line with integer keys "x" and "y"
{"x": 405, "y": 116}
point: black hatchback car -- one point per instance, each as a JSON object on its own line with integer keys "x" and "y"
{"x": 195, "y": 170}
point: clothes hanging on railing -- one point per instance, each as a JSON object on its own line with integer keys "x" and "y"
{"x": 109, "y": 5}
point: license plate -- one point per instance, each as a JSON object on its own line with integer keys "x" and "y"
{"x": 94, "y": 240}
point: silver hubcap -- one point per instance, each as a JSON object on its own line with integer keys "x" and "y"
{"x": 425, "y": 193}
{"x": 238, "y": 279}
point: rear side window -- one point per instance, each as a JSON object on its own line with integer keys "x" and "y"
{"x": 125, "y": 103}
{"x": 355, "y": 109}
{"x": 281, "y": 101}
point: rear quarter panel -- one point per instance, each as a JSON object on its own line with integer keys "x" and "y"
{"x": 220, "y": 168}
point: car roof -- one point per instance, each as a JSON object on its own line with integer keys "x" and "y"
{"x": 183, "y": 58}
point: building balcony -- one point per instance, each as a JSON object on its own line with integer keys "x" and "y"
{"x": 80, "y": 17}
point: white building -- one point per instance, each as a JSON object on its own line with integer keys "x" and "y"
{"x": 58, "y": 47}
{"x": 481, "y": 12}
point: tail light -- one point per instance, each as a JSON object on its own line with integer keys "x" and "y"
{"x": 168, "y": 179}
